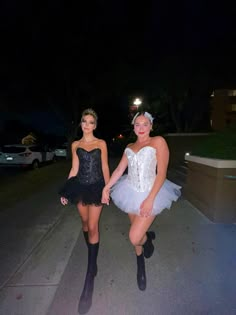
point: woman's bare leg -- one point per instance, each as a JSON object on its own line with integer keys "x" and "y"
{"x": 84, "y": 215}
{"x": 90, "y": 215}
{"x": 137, "y": 233}
{"x": 138, "y": 249}
{"x": 93, "y": 223}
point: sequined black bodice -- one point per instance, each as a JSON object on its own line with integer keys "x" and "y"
{"x": 90, "y": 166}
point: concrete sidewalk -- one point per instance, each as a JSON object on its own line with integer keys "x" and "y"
{"x": 192, "y": 271}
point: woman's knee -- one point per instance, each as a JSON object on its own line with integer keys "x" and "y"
{"x": 84, "y": 221}
{"x": 134, "y": 238}
{"x": 92, "y": 229}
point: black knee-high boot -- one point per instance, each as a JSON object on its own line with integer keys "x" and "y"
{"x": 86, "y": 237}
{"x": 148, "y": 247}
{"x": 141, "y": 274}
{"x": 87, "y": 294}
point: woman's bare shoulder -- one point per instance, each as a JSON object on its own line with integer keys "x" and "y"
{"x": 75, "y": 144}
{"x": 129, "y": 145}
{"x": 160, "y": 144}
{"x": 101, "y": 142}
{"x": 158, "y": 140}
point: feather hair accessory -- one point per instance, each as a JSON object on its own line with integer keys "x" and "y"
{"x": 146, "y": 114}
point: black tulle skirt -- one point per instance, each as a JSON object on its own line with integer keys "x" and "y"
{"x": 87, "y": 194}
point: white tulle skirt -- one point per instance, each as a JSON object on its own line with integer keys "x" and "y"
{"x": 129, "y": 200}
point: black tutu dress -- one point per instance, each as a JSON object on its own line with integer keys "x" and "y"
{"x": 86, "y": 187}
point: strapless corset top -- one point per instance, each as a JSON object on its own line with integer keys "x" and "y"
{"x": 141, "y": 168}
{"x": 90, "y": 166}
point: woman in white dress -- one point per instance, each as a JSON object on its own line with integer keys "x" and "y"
{"x": 145, "y": 191}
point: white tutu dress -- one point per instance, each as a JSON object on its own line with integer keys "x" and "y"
{"x": 130, "y": 190}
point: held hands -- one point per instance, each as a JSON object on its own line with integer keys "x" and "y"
{"x": 64, "y": 201}
{"x": 146, "y": 208}
{"x": 106, "y": 195}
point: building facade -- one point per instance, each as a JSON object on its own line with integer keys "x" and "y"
{"x": 223, "y": 108}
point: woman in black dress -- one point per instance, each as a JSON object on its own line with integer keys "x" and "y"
{"x": 88, "y": 175}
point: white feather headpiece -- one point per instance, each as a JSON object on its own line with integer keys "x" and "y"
{"x": 146, "y": 114}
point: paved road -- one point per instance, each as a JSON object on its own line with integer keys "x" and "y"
{"x": 43, "y": 262}
{"x": 9, "y": 172}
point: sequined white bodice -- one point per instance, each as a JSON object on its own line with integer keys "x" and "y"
{"x": 141, "y": 168}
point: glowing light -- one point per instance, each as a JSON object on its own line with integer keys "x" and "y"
{"x": 137, "y": 101}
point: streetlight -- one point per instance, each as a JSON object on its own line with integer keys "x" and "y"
{"x": 137, "y": 102}
{"x": 133, "y": 107}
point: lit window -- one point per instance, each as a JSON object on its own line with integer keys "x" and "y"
{"x": 232, "y": 93}
{"x": 233, "y": 107}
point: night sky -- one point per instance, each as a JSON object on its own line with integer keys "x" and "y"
{"x": 101, "y": 53}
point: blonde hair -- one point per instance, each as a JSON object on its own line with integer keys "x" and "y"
{"x": 90, "y": 111}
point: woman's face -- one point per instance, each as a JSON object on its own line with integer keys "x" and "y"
{"x": 142, "y": 126}
{"x": 88, "y": 123}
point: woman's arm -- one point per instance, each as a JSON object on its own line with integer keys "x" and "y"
{"x": 162, "y": 164}
{"x": 114, "y": 177}
{"x": 118, "y": 171}
{"x": 74, "y": 168}
{"x": 75, "y": 160}
{"x": 105, "y": 165}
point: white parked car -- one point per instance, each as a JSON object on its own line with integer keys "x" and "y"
{"x": 61, "y": 151}
{"x": 25, "y": 155}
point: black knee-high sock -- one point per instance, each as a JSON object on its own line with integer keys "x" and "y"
{"x": 86, "y": 237}
{"x": 86, "y": 297}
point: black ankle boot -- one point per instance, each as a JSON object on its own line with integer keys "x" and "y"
{"x": 85, "y": 301}
{"x": 86, "y": 237}
{"x": 148, "y": 247}
{"x": 141, "y": 274}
